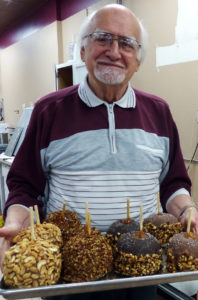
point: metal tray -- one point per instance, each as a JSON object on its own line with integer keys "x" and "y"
{"x": 100, "y": 285}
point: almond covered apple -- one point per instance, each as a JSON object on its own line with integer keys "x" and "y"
{"x": 32, "y": 264}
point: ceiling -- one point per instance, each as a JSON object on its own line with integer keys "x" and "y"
{"x": 13, "y": 11}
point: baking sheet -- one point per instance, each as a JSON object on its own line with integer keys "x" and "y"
{"x": 100, "y": 285}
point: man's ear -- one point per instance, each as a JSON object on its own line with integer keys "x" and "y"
{"x": 82, "y": 53}
{"x": 137, "y": 65}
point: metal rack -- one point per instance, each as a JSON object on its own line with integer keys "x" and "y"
{"x": 103, "y": 285}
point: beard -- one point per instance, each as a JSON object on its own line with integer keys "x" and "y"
{"x": 108, "y": 76}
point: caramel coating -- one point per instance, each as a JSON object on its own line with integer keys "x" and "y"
{"x": 67, "y": 221}
{"x": 123, "y": 226}
{"x": 132, "y": 243}
{"x": 163, "y": 226}
{"x": 182, "y": 252}
{"x": 162, "y": 218}
{"x": 32, "y": 264}
{"x": 46, "y": 231}
{"x": 86, "y": 257}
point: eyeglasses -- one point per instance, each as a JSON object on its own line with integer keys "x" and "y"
{"x": 127, "y": 44}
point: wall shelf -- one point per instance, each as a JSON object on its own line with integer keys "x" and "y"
{"x": 69, "y": 73}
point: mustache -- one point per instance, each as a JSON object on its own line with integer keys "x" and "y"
{"x": 109, "y": 62}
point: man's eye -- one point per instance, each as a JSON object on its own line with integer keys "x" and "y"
{"x": 102, "y": 38}
{"x": 127, "y": 44}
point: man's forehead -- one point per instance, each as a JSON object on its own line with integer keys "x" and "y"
{"x": 114, "y": 16}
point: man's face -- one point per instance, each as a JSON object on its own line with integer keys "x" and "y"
{"x": 111, "y": 64}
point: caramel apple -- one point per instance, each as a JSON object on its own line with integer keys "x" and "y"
{"x": 67, "y": 221}
{"x": 182, "y": 251}
{"x": 86, "y": 256}
{"x": 119, "y": 227}
{"x": 138, "y": 253}
{"x": 32, "y": 263}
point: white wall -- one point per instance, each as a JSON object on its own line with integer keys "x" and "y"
{"x": 27, "y": 69}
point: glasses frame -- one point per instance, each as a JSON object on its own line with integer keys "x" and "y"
{"x": 113, "y": 37}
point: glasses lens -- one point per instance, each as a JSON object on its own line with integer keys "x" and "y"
{"x": 125, "y": 43}
{"x": 128, "y": 44}
{"x": 101, "y": 37}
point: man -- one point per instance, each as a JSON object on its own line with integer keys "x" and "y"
{"x": 101, "y": 142}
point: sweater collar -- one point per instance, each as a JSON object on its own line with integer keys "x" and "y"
{"x": 89, "y": 98}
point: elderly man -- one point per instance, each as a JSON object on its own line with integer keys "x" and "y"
{"x": 101, "y": 142}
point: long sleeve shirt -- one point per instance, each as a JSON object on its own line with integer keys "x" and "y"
{"x": 79, "y": 148}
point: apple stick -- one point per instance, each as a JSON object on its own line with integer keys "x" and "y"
{"x": 86, "y": 213}
{"x": 141, "y": 222}
{"x": 159, "y": 204}
{"x": 32, "y": 224}
{"x": 88, "y": 220}
{"x": 37, "y": 215}
{"x": 189, "y": 222}
{"x": 64, "y": 206}
{"x": 89, "y": 224}
{"x": 128, "y": 209}
{"x": 63, "y": 210}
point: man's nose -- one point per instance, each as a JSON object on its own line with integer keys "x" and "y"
{"x": 114, "y": 49}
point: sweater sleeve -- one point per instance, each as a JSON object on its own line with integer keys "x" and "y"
{"x": 26, "y": 178}
{"x": 177, "y": 176}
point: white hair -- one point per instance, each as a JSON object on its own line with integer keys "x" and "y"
{"x": 85, "y": 30}
{"x": 144, "y": 43}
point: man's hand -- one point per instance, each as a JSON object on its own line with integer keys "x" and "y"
{"x": 177, "y": 204}
{"x": 17, "y": 219}
{"x": 194, "y": 219}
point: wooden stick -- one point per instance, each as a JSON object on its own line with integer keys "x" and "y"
{"x": 89, "y": 224}
{"x": 64, "y": 206}
{"x": 87, "y": 219}
{"x": 128, "y": 208}
{"x": 159, "y": 204}
{"x": 32, "y": 223}
{"x": 37, "y": 215}
{"x": 86, "y": 213}
{"x": 63, "y": 210}
{"x": 141, "y": 222}
{"x": 189, "y": 222}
